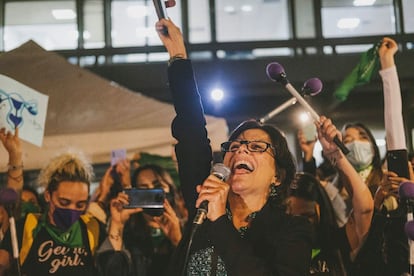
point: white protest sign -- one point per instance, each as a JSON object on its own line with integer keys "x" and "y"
{"x": 22, "y": 107}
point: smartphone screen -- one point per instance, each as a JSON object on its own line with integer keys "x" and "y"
{"x": 145, "y": 198}
{"x": 118, "y": 155}
{"x": 397, "y": 161}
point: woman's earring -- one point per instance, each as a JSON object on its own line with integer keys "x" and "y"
{"x": 273, "y": 190}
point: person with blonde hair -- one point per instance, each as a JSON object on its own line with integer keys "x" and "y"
{"x": 64, "y": 240}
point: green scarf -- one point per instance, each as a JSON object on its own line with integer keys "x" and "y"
{"x": 70, "y": 238}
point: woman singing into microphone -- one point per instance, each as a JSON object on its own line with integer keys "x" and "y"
{"x": 247, "y": 231}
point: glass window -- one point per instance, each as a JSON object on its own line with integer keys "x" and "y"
{"x": 52, "y": 25}
{"x": 408, "y": 8}
{"x": 305, "y": 21}
{"x": 349, "y": 18}
{"x": 250, "y": 20}
{"x": 199, "y": 21}
{"x": 93, "y": 34}
{"x": 133, "y": 22}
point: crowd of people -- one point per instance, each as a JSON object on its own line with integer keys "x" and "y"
{"x": 266, "y": 217}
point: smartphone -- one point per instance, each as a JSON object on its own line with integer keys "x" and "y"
{"x": 118, "y": 155}
{"x": 397, "y": 161}
{"x": 151, "y": 200}
{"x": 160, "y": 8}
{"x": 309, "y": 132}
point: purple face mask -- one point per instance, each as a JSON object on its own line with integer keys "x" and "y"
{"x": 65, "y": 218}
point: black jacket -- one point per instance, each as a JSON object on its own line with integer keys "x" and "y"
{"x": 274, "y": 244}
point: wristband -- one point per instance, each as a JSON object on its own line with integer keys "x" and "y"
{"x": 174, "y": 58}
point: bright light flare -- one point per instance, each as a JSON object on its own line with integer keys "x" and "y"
{"x": 217, "y": 94}
{"x": 364, "y": 2}
{"x": 63, "y": 14}
{"x": 304, "y": 117}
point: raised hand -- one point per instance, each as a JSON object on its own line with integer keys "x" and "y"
{"x": 12, "y": 144}
{"x": 169, "y": 224}
{"x": 387, "y": 51}
{"x": 173, "y": 41}
{"x": 215, "y": 192}
{"x": 326, "y": 133}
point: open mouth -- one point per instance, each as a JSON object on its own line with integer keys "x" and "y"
{"x": 243, "y": 165}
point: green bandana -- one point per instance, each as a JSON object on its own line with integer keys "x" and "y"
{"x": 361, "y": 74}
{"x": 28, "y": 207}
{"x": 70, "y": 238}
{"x": 315, "y": 252}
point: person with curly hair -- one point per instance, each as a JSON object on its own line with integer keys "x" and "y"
{"x": 64, "y": 240}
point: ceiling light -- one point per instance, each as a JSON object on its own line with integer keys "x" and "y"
{"x": 364, "y": 2}
{"x": 230, "y": 9}
{"x": 137, "y": 11}
{"x": 63, "y": 14}
{"x": 246, "y": 8}
{"x": 348, "y": 23}
{"x": 217, "y": 94}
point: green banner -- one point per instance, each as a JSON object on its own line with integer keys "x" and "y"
{"x": 361, "y": 74}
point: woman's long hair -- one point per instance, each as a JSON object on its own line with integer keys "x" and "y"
{"x": 375, "y": 177}
{"x": 306, "y": 186}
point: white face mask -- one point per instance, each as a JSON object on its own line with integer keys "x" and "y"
{"x": 360, "y": 154}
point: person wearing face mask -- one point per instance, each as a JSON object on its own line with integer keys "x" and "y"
{"x": 246, "y": 230}
{"x": 64, "y": 240}
{"x": 360, "y": 154}
{"x": 363, "y": 154}
{"x": 30, "y": 201}
{"x": 334, "y": 247}
{"x": 385, "y": 250}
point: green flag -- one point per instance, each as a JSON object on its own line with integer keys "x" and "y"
{"x": 361, "y": 74}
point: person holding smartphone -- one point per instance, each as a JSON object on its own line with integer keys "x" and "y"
{"x": 150, "y": 235}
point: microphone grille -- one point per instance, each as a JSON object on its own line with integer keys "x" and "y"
{"x": 8, "y": 196}
{"x": 221, "y": 171}
{"x": 312, "y": 86}
{"x": 275, "y": 71}
{"x": 406, "y": 190}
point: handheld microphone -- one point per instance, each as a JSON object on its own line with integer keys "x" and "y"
{"x": 311, "y": 87}
{"x": 409, "y": 229}
{"x": 8, "y": 198}
{"x": 276, "y": 73}
{"x": 161, "y": 10}
{"x": 221, "y": 172}
{"x": 406, "y": 193}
